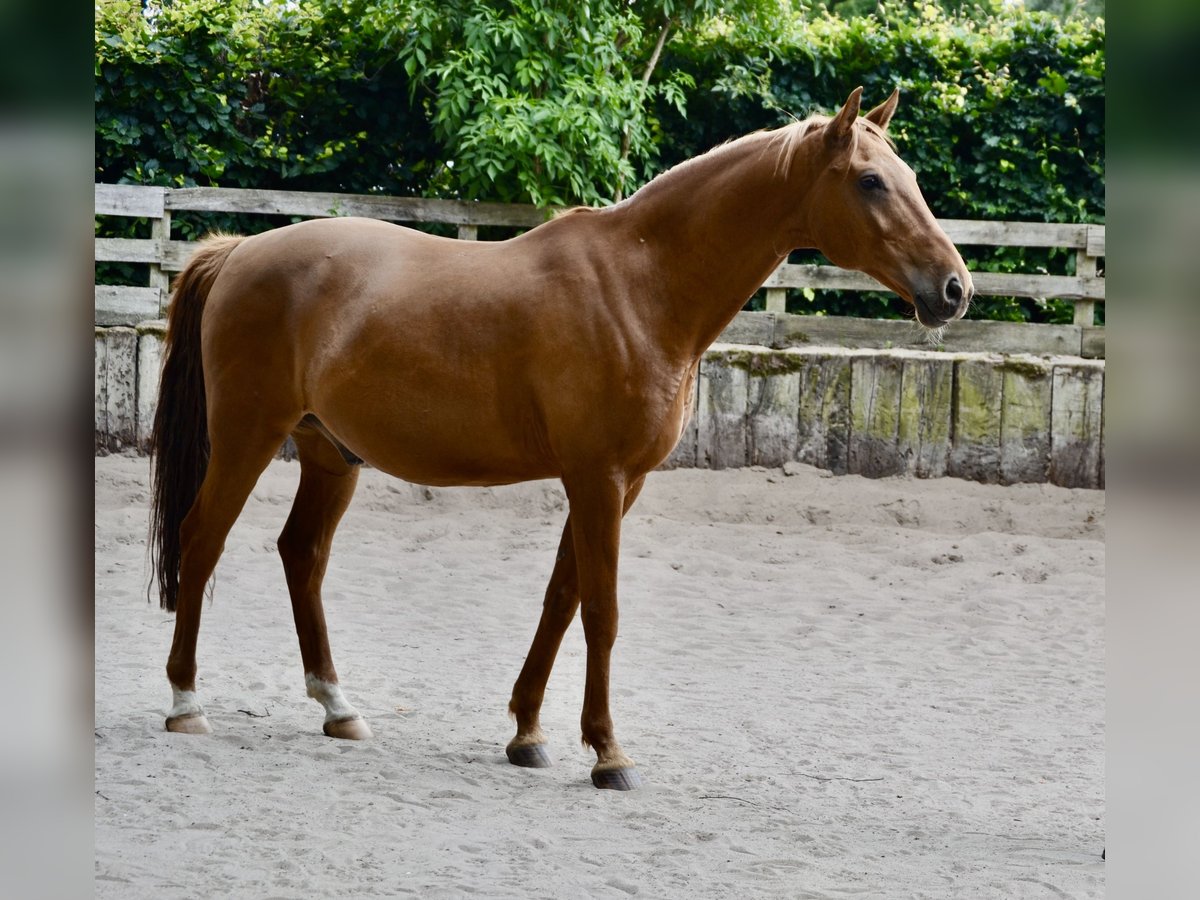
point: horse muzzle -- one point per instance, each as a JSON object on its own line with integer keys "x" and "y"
{"x": 949, "y": 302}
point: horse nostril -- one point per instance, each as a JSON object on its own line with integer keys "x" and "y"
{"x": 954, "y": 290}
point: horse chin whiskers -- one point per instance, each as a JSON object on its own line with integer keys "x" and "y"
{"x": 934, "y": 336}
{"x": 931, "y": 334}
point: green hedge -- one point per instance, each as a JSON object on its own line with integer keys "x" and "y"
{"x": 1002, "y": 118}
{"x": 1002, "y": 114}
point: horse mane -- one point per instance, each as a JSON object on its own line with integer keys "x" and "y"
{"x": 784, "y": 141}
{"x": 572, "y": 210}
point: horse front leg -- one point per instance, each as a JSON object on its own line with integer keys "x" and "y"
{"x": 597, "y": 505}
{"x": 528, "y": 748}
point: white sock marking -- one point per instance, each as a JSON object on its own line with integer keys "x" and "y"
{"x": 185, "y": 704}
{"x": 330, "y": 696}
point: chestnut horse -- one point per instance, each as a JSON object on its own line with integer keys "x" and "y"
{"x": 570, "y": 351}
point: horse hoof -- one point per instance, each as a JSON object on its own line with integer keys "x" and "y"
{"x": 529, "y": 756}
{"x": 352, "y": 729}
{"x": 192, "y": 723}
{"x": 626, "y": 779}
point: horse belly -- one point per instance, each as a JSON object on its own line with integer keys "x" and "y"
{"x": 437, "y": 437}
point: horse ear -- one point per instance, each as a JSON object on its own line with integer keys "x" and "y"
{"x": 882, "y": 114}
{"x": 838, "y": 131}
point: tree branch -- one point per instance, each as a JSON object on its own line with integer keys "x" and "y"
{"x": 626, "y": 137}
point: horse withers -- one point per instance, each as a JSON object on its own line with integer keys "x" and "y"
{"x": 580, "y": 363}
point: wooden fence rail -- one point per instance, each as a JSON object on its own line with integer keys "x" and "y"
{"x": 130, "y": 304}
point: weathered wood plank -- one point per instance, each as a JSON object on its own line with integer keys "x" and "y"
{"x": 1085, "y": 313}
{"x": 1092, "y": 345}
{"x": 997, "y": 284}
{"x": 978, "y": 397}
{"x": 774, "y": 402}
{"x": 120, "y": 305}
{"x": 750, "y": 328}
{"x": 1021, "y": 284}
{"x": 845, "y": 331}
{"x": 121, "y": 383}
{"x": 171, "y": 255}
{"x": 175, "y": 254}
{"x": 875, "y": 415}
{"x": 823, "y": 424}
{"x": 722, "y": 431}
{"x": 823, "y": 277}
{"x": 160, "y": 233}
{"x": 1076, "y": 424}
{"x": 963, "y": 336}
{"x": 134, "y": 200}
{"x": 101, "y": 384}
{"x": 1095, "y": 240}
{"x": 149, "y": 362}
{"x": 321, "y": 205}
{"x": 972, "y": 232}
{"x": 926, "y": 413}
{"x": 134, "y": 250}
{"x": 1025, "y": 420}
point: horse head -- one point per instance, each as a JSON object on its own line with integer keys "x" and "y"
{"x": 866, "y": 212}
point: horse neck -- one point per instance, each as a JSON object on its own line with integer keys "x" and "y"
{"x": 717, "y": 227}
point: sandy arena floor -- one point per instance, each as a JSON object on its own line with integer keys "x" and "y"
{"x": 833, "y": 687}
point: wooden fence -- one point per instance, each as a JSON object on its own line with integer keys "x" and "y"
{"x": 996, "y": 402}
{"x": 130, "y": 304}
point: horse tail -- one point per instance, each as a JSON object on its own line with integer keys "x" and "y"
{"x": 179, "y": 439}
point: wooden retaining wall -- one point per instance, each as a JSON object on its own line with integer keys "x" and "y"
{"x": 874, "y": 412}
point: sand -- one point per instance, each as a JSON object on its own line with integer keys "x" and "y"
{"x": 833, "y": 687}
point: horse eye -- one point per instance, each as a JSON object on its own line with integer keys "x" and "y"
{"x": 871, "y": 183}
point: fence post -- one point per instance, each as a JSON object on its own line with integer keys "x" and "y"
{"x": 777, "y": 300}
{"x": 160, "y": 232}
{"x": 1085, "y": 267}
{"x": 468, "y": 232}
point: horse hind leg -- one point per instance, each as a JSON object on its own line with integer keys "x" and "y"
{"x": 233, "y": 469}
{"x": 528, "y": 748}
{"x": 327, "y": 482}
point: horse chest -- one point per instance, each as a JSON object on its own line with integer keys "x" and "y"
{"x": 660, "y": 419}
